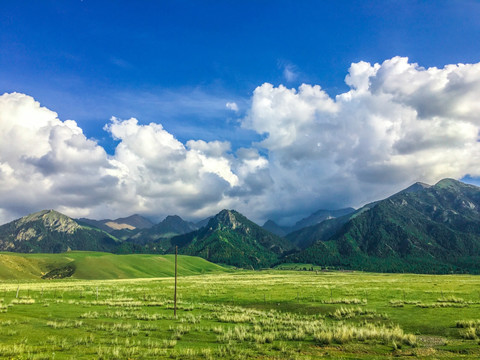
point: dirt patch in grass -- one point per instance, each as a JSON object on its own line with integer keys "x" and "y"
{"x": 427, "y": 341}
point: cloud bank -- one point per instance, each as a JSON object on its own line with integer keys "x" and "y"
{"x": 399, "y": 123}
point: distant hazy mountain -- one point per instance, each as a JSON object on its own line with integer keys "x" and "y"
{"x": 313, "y": 219}
{"x": 49, "y": 231}
{"x": 319, "y": 216}
{"x": 276, "y": 229}
{"x": 203, "y": 222}
{"x": 132, "y": 222}
{"x": 421, "y": 229}
{"x": 230, "y": 238}
{"x": 171, "y": 226}
{"x": 137, "y": 221}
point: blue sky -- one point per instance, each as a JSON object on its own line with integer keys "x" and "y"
{"x": 159, "y": 61}
{"x": 178, "y": 63}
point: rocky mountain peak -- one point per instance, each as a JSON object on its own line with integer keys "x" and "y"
{"x": 52, "y": 220}
{"x": 226, "y": 218}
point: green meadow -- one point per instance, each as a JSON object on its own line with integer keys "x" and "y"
{"x": 121, "y": 307}
{"x": 89, "y": 265}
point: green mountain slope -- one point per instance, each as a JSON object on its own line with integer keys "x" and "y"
{"x": 230, "y": 238}
{"x": 324, "y": 230}
{"x": 49, "y": 231}
{"x": 94, "y": 265}
{"x": 428, "y": 229}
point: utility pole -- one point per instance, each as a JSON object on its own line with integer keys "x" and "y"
{"x": 175, "y": 293}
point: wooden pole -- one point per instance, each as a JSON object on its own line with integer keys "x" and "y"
{"x": 175, "y": 293}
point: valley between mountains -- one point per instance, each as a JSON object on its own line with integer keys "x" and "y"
{"x": 422, "y": 229}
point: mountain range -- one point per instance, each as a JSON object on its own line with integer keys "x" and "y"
{"x": 423, "y": 228}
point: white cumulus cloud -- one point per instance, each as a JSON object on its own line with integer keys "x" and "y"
{"x": 47, "y": 163}
{"x": 399, "y": 123}
{"x": 232, "y": 106}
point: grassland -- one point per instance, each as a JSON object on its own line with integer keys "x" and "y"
{"x": 242, "y": 315}
{"x": 98, "y": 266}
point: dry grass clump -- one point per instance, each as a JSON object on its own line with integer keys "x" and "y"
{"x": 117, "y": 352}
{"x": 64, "y": 324}
{"x": 191, "y": 319}
{"x": 235, "y": 318}
{"x": 470, "y": 329}
{"x": 185, "y": 353}
{"x": 25, "y": 301}
{"x": 118, "y": 302}
{"x": 85, "y": 340}
{"x": 353, "y": 301}
{"x": 119, "y": 327}
{"x": 149, "y": 317}
{"x": 275, "y": 326}
{"x": 397, "y": 303}
{"x": 348, "y": 333}
{"x": 468, "y": 323}
{"x": 351, "y": 312}
{"x": 181, "y": 305}
{"x": 179, "y": 331}
{"x": 14, "y": 350}
{"x": 90, "y": 315}
{"x": 322, "y": 334}
{"x": 470, "y": 333}
{"x": 451, "y": 299}
{"x": 401, "y": 303}
{"x": 169, "y": 343}
{"x": 443, "y": 305}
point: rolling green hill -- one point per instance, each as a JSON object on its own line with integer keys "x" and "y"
{"x": 99, "y": 266}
